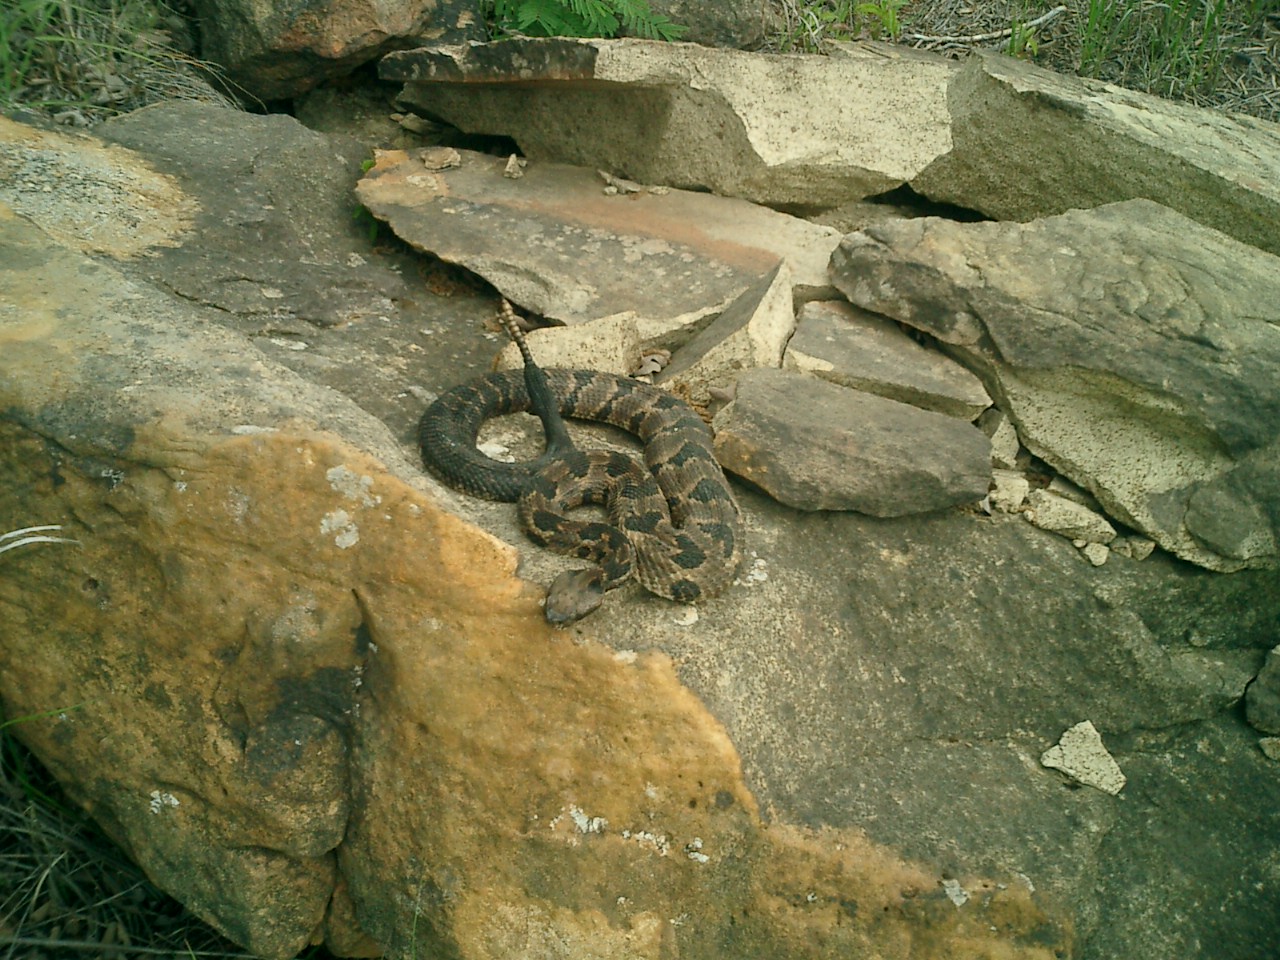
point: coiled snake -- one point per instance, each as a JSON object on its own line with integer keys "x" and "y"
{"x": 673, "y": 524}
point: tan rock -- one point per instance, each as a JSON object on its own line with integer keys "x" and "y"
{"x": 836, "y": 341}
{"x": 695, "y": 117}
{"x": 555, "y": 243}
{"x": 291, "y": 672}
{"x": 1082, "y": 143}
{"x": 135, "y": 206}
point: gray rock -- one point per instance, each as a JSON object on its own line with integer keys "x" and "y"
{"x": 1069, "y": 519}
{"x": 695, "y": 117}
{"x": 837, "y": 341}
{"x": 889, "y": 684}
{"x": 814, "y": 445}
{"x": 1083, "y": 143}
{"x": 1005, "y": 445}
{"x": 1132, "y": 348}
{"x": 1262, "y": 699}
{"x": 553, "y": 242}
{"x": 751, "y": 332}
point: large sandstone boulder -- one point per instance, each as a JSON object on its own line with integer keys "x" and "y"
{"x": 1028, "y": 143}
{"x": 693, "y": 117}
{"x": 312, "y": 693}
{"x": 274, "y": 51}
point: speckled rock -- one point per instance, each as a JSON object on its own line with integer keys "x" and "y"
{"x": 1080, "y": 754}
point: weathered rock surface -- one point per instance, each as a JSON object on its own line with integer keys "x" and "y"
{"x": 1262, "y": 700}
{"x": 555, "y": 242}
{"x": 365, "y": 688}
{"x": 1081, "y": 755}
{"x": 298, "y": 655}
{"x": 1083, "y": 143}
{"x": 1133, "y": 349}
{"x": 815, "y": 445}
{"x": 1048, "y": 511}
{"x": 687, "y": 116}
{"x": 825, "y": 131}
{"x": 837, "y": 341}
{"x": 273, "y": 51}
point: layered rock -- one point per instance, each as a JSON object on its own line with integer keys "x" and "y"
{"x": 837, "y": 341}
{"x": 313, "y": 694}
{"x": 556, "y": 242}
{"x": 867, "y": 121}
{"x": 692, "y": 117}
{"x": 1083, "y": 143}
{"x": 1131, "y": 347}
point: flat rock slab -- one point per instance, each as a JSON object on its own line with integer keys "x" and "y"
{"x": 814, "y": 445}
{"x": 1081, "y": 143}
{"x": 556, "y": 243}
{"x": 778, "y": 129}
{"x": 1134, "y": 349}
{"x": 842, "y": 343}
{"x": 823, "y": 131}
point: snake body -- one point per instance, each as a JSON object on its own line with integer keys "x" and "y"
{"x": 673, "y": 523}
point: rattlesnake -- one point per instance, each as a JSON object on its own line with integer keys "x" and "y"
{"x": 674, "y": 526}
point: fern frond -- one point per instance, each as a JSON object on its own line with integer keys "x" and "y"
{"x": 582, "y": 18}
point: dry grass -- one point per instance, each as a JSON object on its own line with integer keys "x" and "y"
{"x": 1215, "y": 53}
{"x": 67, "y": 891}
{"x": 84, "y": 61}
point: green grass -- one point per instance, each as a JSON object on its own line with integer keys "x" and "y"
{"x": 578, "y": 18}
{"x": 1168, "y": 48}
{"x": 810, "y": 26}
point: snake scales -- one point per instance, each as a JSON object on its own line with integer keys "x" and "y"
{"x": 673, "y": 524}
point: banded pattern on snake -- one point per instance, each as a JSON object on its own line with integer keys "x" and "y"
{"x": 673, "y": 523}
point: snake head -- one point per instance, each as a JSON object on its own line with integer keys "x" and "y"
{"x": 573, "y": 595}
